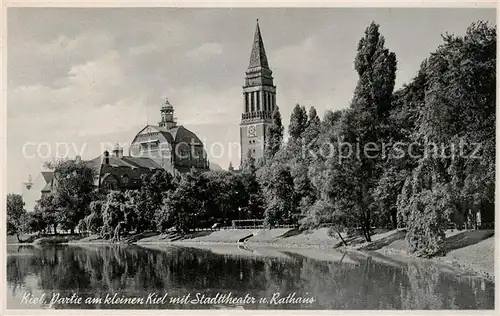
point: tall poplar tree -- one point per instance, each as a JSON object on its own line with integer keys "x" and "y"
{"x": 353, "y": 180}
{"x": 298, "y": 122}
{"x": 275, "y": 137}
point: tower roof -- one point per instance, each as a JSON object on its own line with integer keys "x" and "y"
{"x": 167, "y": 105}
{"x": 258, "y": 56}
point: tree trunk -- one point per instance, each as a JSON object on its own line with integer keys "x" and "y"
{"x": 55, "y": 229}
{"x": 474, "y": 216}
{"x": 342, "y": 259}
{"x": 465, "y": 214}
{"x": 18, "y": 239}
{"x": 394, "y": 219}
{"x": 368, "y": 237}
{"x": 365, "y": 234}
{"x": 345, "y": 244}
{"x": 367, "y": 226}
{"x": 366, "y": 212}
{"x": 72, "y": 231}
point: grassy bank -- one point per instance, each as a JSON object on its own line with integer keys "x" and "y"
{"x": 471, "y": 250}
{"x": 467, "y": 250}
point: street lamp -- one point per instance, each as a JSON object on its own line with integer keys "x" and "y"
{"x": 239, "y": 214}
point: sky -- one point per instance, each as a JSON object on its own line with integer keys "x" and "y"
{"x": 78, "y": 78}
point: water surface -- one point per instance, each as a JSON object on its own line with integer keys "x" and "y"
{"x": 325, "y": 279}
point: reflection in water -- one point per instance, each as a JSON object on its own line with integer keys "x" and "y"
{"x": 335, "y": 281}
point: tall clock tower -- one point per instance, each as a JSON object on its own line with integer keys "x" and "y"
{"x": 259, "y": 101}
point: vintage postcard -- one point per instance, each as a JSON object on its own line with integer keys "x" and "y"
{"x": 236, "y": 158}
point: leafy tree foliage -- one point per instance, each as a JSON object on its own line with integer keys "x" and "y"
{"x": 94, "y": 221}
{"x": 277, "y": 185}
{"x": 151, "y": 195}
{"x": 186, "y": 205}
{"x": 49, "y": 212}
{"x": 119, "y": 214}
{"x": 298, "y": 122}
{"x": 456, "y": 118}
{"x": 353, "y": 180}
{"x": 312, "y": 130}
{"x": 17, "y": 218}
{"x": 255, "y": 205}
{"x": 331, "y": 170}
{"x": 275, "y": 136}
{"x": 74, "y": 190}
{"x": 227, "y": 196}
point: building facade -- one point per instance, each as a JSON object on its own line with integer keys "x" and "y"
{"x": 112, "y": 172}
{"x": 173, "y": 147}
{"x": 117, "y": 172}
{"x": 259, "y": 101}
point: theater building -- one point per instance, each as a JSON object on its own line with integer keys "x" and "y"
{"x": 173, "y": 147}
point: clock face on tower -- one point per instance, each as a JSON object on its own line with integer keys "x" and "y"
{"x": 251, "y": 131}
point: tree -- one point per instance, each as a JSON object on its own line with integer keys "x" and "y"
{"x": 37, "y": 222}
{"x": 311, "y": 135}
{"x": 425, "y": 205}
{"x": 151, "y": 195}
{"x": 298, "y": 122}
{"x": 17, "y": 218}
{"x": 456, "y": 117}
{"x": 119, "y": 214}
{"x": 313, "y": 127}
{"x": 186, "y": 206}
{"x": 322, "y": 209}
{"x": 376, "y": 67}
{"x": 226, "y": 196}
{"x": 74, "y": 190}
{"x": 352, "y": 180}
{"x": 298, "y": 157}
{"x": 94, "y": 221}
{"x": 230, "y": 168}
{"x": 386, "y": 192}
{"x": 303, "y": 191}
{"x": 249, "y": 163}
{"x": 275, "y": 136}
{"x": 277, "y": 184}
{"x": 50, "y": 212}
{"x": 407, "y": 103}
{"x": 255, "y": 207}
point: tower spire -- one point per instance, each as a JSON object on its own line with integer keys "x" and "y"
{"x": 259, "y": 101}
{"x": 258, "y": 56}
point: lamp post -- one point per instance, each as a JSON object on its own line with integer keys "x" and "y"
{"x": 239, "y": 213}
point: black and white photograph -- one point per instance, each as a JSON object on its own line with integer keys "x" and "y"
{"x": 175, "y": 157}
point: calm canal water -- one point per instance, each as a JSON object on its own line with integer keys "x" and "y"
{"x": 91, "y": 276}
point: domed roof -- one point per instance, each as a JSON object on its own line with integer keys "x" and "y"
{"x": 182, "y": 135}
{"x": 178, "y": 134}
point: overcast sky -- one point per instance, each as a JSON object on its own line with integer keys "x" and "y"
{"x": 87, "y": 76}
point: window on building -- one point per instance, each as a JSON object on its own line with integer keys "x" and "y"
{"x": 148, "y": 146}
{"x": 125, "y": 179}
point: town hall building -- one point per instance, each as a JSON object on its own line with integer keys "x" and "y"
{"x": 259, "y": 101}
